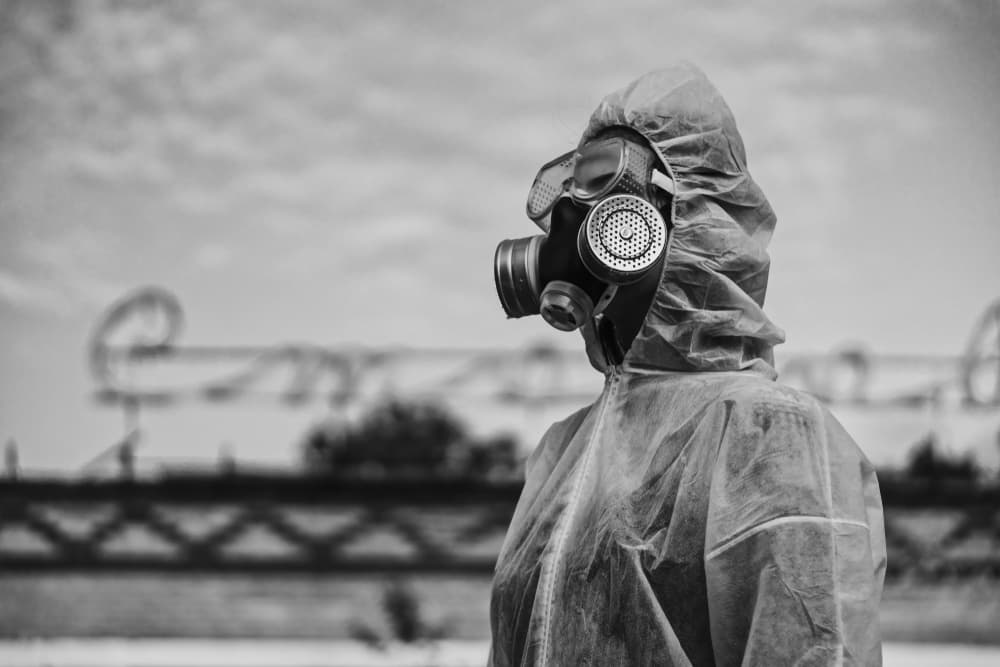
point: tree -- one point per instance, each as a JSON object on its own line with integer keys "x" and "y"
{"x": 927, "y": 462}
{"x": 408, "y": 437}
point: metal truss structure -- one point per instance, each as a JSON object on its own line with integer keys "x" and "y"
{"x": 248, "y": 524}
{"x": 241, "y": 524}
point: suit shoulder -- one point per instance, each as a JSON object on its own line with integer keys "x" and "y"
{"x": 756, "y": 392}
{"x": 568, "y": 424}
{"x": 556, "y": 437}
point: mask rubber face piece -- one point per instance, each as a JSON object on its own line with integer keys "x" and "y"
{"x": 621, "y": 238}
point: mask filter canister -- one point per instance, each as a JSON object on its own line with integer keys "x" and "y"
{"x": 515, "y": 273}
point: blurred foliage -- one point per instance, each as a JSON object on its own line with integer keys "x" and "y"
{"x": 404, "y": 617}
{"x": 402, "y": 609}
{"x": 927, "y": 461}
{"x": 410, "y": 438}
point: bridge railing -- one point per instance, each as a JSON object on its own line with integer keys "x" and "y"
{"x": 286, "y": 523}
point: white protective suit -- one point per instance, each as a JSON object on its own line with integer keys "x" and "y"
{"x": 698, "y": 513}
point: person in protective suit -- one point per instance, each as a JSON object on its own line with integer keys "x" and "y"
{"x": 698, "y": 512}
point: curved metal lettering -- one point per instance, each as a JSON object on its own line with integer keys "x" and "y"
{"x": 981, "y": 361}
{"x": 142, "y": 330}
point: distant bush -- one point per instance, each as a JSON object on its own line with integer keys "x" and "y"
{"x": 403, "y": 615}
{"x": 408, "y": 437}
{"x": 927, "y": 462}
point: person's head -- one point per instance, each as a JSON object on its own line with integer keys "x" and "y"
{"x": 605, "y": 209}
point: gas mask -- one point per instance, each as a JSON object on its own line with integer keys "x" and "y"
{"x": 599, "y": 209}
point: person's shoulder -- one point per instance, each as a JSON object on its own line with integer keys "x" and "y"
{"x": 569, "y": 423}
{"x": 751, "y": 390}
{"x": 555, "y": 439}
{"x": 771, "y": 412}
{"x": 758, "y": 405}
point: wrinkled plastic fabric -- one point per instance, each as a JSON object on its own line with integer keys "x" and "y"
{"x": 698, "y": 513}
{"x": 708, "y": 312}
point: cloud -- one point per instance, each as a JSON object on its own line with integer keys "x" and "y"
{"x": 859, "y": 42}
{"x": 212, "y": 256}
{"x": 60, "y": 274}
{"x": 360, "y": 246}
{"x": 31, "y": 295}
{"x": 60, "y": 296}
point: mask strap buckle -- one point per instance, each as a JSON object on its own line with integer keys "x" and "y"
{"x": 662, "y": 181}
{"x": 609, "y": 293}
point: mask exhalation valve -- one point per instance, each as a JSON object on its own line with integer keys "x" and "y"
{"x": 565, "y": 306}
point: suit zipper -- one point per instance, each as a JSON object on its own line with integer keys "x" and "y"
{"x": 549, "y": 576}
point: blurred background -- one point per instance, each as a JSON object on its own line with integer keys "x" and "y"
{"x": 245, "y": 256}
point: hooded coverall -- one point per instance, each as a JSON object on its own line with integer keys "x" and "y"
{"x": 698, "y": 512}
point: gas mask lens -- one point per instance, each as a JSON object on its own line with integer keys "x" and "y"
{"x": 598, "y": 168}
{"x": 585, "y": 175}
{"x": 551, "y": 182}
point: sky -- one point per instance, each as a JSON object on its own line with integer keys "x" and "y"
{"x": 340, "y": 173}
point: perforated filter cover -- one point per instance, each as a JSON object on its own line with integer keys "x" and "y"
{"x": 625, "y": 233}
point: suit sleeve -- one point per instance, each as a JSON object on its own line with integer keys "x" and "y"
{"x": 795, "y": 548}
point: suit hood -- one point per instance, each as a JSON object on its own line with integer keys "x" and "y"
{"x": 707, "y": 314}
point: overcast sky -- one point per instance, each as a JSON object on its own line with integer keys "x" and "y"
{"x": 341, "y": 172}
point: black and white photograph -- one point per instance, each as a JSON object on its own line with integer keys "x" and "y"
{"x": 511, "y": 334}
